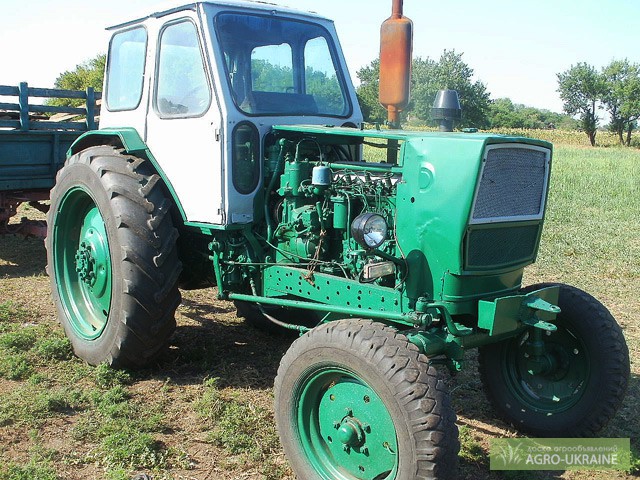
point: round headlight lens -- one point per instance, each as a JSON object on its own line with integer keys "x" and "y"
{"x": 369, "y": 230}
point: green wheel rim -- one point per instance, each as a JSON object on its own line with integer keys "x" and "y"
{"x": 345, "y": 429}
{"x": 82, "y": 263}
{"x": 558, "y": 388}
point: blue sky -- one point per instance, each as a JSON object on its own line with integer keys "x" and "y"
{"x": 515, "y": 47}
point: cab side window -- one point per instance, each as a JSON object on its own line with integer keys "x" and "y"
{"x": 182, "y": 89}
{"x": 125, "y": 72}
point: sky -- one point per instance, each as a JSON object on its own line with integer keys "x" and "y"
{"x": 515, "y": 48}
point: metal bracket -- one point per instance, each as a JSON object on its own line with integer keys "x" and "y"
{"x": 541, "y": 324}
{"x": 539, "y": 305}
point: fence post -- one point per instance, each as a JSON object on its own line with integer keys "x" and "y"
{"x": 23, "y": 100}
{"x": 91, "y": 109}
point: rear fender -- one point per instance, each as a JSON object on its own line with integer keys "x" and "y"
{"x": 128, "y": 139}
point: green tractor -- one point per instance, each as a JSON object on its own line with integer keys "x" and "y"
{"x": 231, "y": 153}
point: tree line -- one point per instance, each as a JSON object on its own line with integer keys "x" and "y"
{"x": 615, "y": 88}
{"x": 450, "y": 71}
{"x": 584, "y": 90}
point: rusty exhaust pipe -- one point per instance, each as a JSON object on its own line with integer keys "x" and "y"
{"x": 396, "y": 44}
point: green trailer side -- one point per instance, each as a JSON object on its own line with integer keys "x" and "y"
{"x": 33, "y": 145}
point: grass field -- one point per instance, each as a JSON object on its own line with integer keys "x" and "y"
{"x": 204, "y": 411}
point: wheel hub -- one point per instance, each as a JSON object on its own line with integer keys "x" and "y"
{"x": 544, "y": 364}
{"x": 350, "y": 432}
{"x": 85, "y": 264}
{"x": 350, "y": 427}
{"x": 549, "y": 373}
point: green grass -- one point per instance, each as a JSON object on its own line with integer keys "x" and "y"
{"x": 25, "y": 345}
{"x": 240, "y": 427}
{"x": 11, "y": 314}
{"x": 592, "y": 229}
{"x": 39, "y": 466}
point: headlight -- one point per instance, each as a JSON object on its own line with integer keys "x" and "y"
{"x": 369, "y": 230}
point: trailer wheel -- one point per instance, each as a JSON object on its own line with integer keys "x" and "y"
{"x": 112, "y": 257}
{"x": 355, "y": 400}
{"x": 584, "y": 384}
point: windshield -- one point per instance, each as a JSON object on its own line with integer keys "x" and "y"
{"x": 280, "y": 66}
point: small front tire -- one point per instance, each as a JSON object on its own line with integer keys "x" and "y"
{"x": 584, "y": 389}
{"x": 355, "y": 399}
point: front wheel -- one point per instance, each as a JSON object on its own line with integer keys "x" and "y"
{"x": 355, "y": 400}
{"x": 585, "y": 376}
{"x": 112, "y": 257}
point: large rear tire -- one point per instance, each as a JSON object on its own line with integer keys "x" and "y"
{"x": 112, "y": 257}
{"x": 585, "y": 384}
{"x": 356, "y": 400}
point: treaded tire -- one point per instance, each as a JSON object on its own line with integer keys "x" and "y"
{"x": 383, "y": 360}
{"x": 604, "y": 388}
{"x": 142, "y": 254}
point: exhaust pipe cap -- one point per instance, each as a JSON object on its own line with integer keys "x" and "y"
{"x": 446, "y": 109}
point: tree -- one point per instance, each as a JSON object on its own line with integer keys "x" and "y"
{"x": 622, "y": 97}
{"x": 450, "y": 72}
{"x": 503, "y": 113}
{"x": 429, "y": 76}
{"x": 367, "y": 93}
{"x": 87, "y": 74}
{"x": 581, "y": 88}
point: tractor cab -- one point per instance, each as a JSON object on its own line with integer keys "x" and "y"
{"x": 202, "y": 84}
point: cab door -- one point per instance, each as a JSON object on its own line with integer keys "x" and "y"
{"x": 183, "y": 120}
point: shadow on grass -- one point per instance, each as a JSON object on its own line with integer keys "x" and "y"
{"x": 22, "y": 256}
{"x": 237, "y": 354}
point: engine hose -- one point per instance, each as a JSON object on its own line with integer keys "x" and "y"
{"x": 272, "y": 183}
{"x": 289, "y": 326}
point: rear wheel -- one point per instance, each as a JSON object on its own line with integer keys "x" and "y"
{"x": 582, "y": 381}
{"x": 112, "y": 258}
{"x": 355, "y": 400}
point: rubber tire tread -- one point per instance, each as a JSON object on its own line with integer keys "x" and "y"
{"x": 142, "y": 241}
{"x": 398, "y": 372}
{"x": 603, "y": 395}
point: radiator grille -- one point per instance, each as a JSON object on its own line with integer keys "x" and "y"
{"x": 513, "y": 184}
{"x": 496, "y": 247}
